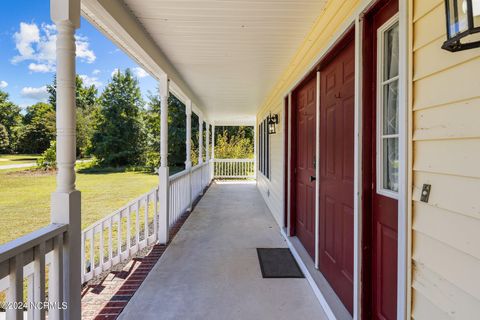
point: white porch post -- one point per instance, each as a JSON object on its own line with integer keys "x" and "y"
{"x": 255, "y": 150}
{"x": 200, "y": 139}
{"x": 207, "y": 151}
{"x": 188, "y": 144}
{"x": 213, "y": 142}
{"x": 207, "y": 143}
{"x": 200, "y": 148}
{"x": 212, "y": 172}
{"x": 66, "y": 202}
{"x": 163, "y": 171}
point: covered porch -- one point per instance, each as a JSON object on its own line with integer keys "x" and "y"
{"x": 210, "y": 270}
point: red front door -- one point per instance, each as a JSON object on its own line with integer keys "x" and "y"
{"x": 382, "y": 54}
{"x": 337, "y": 172}
{"x": 304, "y": 169}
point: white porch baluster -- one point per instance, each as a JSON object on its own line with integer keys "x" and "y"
{"x": 66, "y": 200}
{"x": 163, "y": 171}
{"x": 188, "y": 144}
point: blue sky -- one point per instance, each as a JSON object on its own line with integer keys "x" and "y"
{"x": 27, "y": 53}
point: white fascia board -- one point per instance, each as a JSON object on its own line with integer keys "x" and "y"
{"x": 117, "y": 22}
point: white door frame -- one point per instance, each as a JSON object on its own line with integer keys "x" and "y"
{"x": 403, "y": 255}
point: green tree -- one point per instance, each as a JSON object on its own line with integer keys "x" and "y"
{"x": 4, "y": 140}
{"x": 119, "y": 137}
{"x": 11, "y": 120}
{"x": 234, "y": 143}
{"x": 38, "y": 128}
{"x": 87, "y": 108}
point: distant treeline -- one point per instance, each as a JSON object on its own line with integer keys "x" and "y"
{"x": 117, "y": 127}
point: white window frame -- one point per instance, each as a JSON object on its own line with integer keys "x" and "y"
{"x": 379, "y": 107}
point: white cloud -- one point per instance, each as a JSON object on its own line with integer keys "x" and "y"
{"x": 83, "y": 50}
{"x": 24, "y": 40}
{"x": 139, "y": 72}
{"x": 88, "y": 81}
{"x": 39, "y": 94}
{"x": 115, "y": 71}
{"x": 38, "y": 45}
{"x": 3, "y": 84}
{"x": 41, "y": 67}
{"x": 95, "y": 72}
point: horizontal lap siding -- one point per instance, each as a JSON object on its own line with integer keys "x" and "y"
{"x": 446, "y": 154}
{"x": 272, "y": 190}
{"x": 325, "y": 27}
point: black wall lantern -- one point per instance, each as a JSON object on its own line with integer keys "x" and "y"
{"x": 272, "y": 123}
{"x": 463, "y": 22}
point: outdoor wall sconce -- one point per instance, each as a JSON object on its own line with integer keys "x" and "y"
{"x": 463, "y": 21}
{"x": 272, "y": 121}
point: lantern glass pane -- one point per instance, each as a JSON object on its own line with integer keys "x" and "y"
{"x": 458, "y": 21}
{"x": 476, "y": 13}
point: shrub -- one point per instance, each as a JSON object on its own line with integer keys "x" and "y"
{"x": 48, "y": 159}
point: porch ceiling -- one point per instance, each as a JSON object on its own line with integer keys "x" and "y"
{"x": 229, "y": 52}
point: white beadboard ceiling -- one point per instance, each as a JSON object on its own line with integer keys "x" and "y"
{"x": 230, "y": 52}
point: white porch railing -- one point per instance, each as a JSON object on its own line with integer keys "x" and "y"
{"x": 119, "y": 235}
{"x": 234, "y": 168}
{"x": 179, "y": 201}
{"x": 27, "y": 258}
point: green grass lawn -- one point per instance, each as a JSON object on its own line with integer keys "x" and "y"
{"x": 7, "y": 159}
{"x": 25, "y": 197}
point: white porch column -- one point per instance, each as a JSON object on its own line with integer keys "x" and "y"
{"x": 66, "y": 202}
{"x": 188, "y": 150}
{"x": 212, "y": 170}
{"x": 207, "y": 144}
{"x": 213, "y": 142}
{"x": 163, "y": 171}
{"x": 255, "y": 150}
{"x": 200, "y": 139}
{"x": 188, "y": 138}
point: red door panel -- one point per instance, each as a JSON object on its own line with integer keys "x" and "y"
{"x": 305, "y": 115}
{"x": 337, "y": 173}
{"x": 381, "y": 209}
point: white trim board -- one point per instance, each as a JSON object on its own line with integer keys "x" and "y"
{"x": 308, "y": 276}
{"x": 403, "y": 263}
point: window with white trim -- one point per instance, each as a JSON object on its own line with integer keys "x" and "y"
{"x": 264, "y": 149}
{"x": 387, "y": 108}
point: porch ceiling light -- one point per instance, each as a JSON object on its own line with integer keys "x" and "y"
{"x": 272, "y": 123}
{"x": 463, "y": 24}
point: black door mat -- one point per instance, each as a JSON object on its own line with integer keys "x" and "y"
{"x": 278, "y": 263}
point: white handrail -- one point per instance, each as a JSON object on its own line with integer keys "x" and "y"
{"x": 26, "y": 257}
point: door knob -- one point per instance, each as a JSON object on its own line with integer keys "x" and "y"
{"x": 312, "y": 178}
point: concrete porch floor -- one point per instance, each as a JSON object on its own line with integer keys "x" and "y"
{"x": 211, "y": 270}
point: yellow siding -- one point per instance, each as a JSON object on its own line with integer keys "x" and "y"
{"x": 325, "y": 27}
{"x": 446, "y": 154}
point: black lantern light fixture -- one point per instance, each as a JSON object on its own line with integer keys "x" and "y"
{"x": 463, "y": 25}
{"x": 272, "y": 121}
